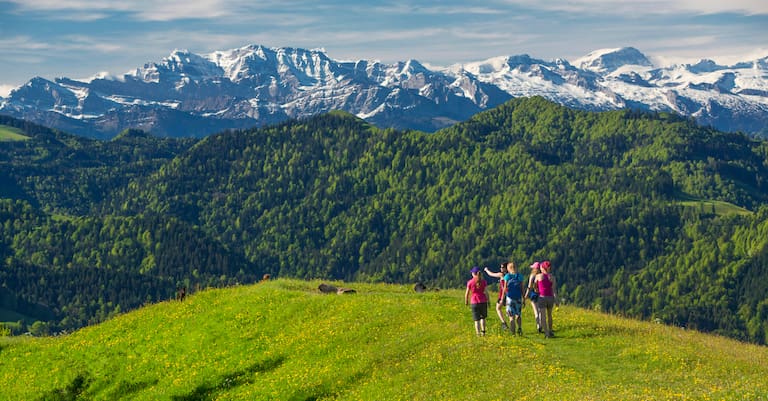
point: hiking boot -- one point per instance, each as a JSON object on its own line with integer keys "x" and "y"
{"x": 519, "y": 331}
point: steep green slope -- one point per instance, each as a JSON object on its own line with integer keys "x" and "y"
{"x": 283, "y": 340}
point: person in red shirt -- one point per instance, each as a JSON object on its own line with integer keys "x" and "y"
{"x": 477, "y": 296}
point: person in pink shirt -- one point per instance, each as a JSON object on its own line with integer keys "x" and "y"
{"x": 546, "y": 285}
{"x": 477, "y": 296}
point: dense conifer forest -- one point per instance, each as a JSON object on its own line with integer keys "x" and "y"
{"x": 645, "y": 215}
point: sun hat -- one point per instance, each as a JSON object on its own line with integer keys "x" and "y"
{"x": 475, "y": 270}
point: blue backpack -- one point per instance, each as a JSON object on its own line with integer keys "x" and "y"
{"x": 513, "y": 285}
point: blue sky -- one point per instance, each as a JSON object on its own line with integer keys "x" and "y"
{"x": 79, "y": 38}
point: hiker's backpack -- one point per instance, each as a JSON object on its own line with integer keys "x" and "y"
{"x": 513, "y": 285}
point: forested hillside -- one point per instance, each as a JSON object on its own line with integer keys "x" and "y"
{"x": 58, "y": 172}
{"x": 65, "y": 262}
{"x": 646, "y": 215}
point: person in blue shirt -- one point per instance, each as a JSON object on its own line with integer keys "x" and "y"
{"x": 514, "y": 295}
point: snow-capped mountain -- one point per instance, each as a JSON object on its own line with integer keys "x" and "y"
{"x": 187, "y": 94}
{"x": 609, "y": 60}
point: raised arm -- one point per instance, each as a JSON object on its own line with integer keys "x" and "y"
{"x": 493, "y": 274}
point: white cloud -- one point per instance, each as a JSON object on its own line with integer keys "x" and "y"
{"x": 749, "y": 7}
{"x": 32, "y": 47}
{"x": 168, "y": 10}
{"x": 147, "y": 10}
{"x": 22, "y": 43}
{"x": 462, "y": 8}
{"x": 650, "y": 7}
{"x": 5, "y": 90}
{"x": 81, "y": 5}
{"x": 726, "y": 55}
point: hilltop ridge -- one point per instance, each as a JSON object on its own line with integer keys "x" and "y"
{"x": 284, "y": 340}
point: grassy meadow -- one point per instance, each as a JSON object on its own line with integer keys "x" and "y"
{"x": 11, "y": 134}
{"x": 284, "y": 340}
{"x": 709, "y": 206}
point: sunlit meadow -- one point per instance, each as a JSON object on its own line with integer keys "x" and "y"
{"x": 284, "y": 340}
{"x": 11, "y": 134}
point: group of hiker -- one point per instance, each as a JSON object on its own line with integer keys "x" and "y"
{"x": 541, "y": 290}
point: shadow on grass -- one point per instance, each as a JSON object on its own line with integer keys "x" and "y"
{"x": 125, "y": 389}
{"x": 324, "y": 392}
{"x": 208, "y": 391}
{"x": 71, "y": 392}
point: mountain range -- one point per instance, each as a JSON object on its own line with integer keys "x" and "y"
{"x": 194, "y": 95}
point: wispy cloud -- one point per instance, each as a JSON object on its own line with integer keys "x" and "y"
{"x": 168, "y": 10}
{"x": 5, "y": 90}
{"x": 748, "y": 7}
{"x": 26, "y": 44}
{"x": 462, "y": 8}
{"x": 145, "y": 10}
{"x": 21, "y": 43}
{"x": 648, "y": 7}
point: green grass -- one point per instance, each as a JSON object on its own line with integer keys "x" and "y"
{"x": 720, "y": 208}
{"x": 11, "y": 134}
{"x": 708, "y": 206}
{"x": 283, "y": 340}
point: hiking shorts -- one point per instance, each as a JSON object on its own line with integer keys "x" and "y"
{"x": 545, "y": 303}
{"x": 514, "y": 307}
{"x": 479, "y": 311}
